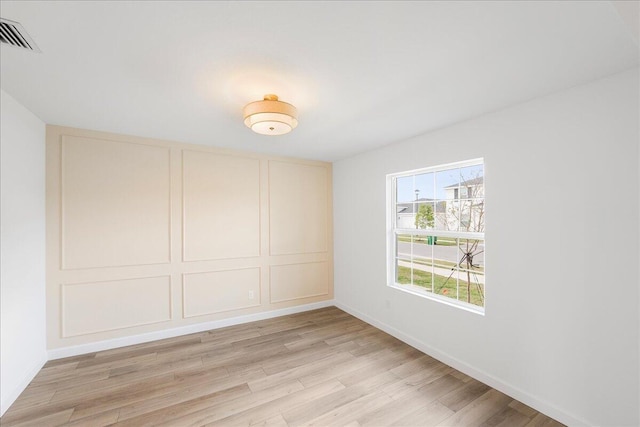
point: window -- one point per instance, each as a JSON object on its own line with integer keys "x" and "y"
{"x": 435, "y": 236}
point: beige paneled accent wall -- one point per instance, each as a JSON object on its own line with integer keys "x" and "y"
{"x": 146, "y": 235}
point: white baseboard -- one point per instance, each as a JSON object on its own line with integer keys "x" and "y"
{"x": 7, "y": 399}
{"x": 536, "y": 403}
{"x": 76, "y": 350}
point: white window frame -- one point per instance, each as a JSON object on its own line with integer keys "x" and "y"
{"x": 392, "y": 232}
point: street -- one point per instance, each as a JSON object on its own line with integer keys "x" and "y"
{"x": 445, "y": 253}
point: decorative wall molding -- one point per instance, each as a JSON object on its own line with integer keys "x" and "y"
{"x": 121, "y": 209}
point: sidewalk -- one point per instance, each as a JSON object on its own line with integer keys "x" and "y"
{"x": 440, "y": 271}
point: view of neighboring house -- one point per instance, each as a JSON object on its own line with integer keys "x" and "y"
{"x": 468, "y": 189}
{"x": 463, "y": 207}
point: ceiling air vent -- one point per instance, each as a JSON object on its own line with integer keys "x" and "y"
{"x": 14, "y": 34}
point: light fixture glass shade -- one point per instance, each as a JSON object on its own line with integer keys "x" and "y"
{"x": 270, "y": 116}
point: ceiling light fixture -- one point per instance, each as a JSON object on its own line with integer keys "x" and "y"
{"x": 270, "y": 116}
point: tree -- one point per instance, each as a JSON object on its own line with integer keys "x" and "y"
{"x": 468, "y": 214}
{"x": 425, "y": 217}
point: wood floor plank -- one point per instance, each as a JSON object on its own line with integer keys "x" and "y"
{"x": 364, "y": 331}
{"x": 419, "y": 380}
{"x": 523, "y": 409}
{"x": 323, "y": 367}
{"x": 153, "y": 415}
{"x": 302, "y": 414}
{"x": 343, "y": 369}
{"x": 97, "y": 368}
{"x": 204, "y": 385}
{"x": 272, "y": 408}
{"x": 541, "y": 420}
{"x": 428, "y": 416}
{"x": 55, "y": 419}
{"x": 68, "y": 360}
{"x": 69, "y": 379}
{"x": 298, "y": 372}
{"x": 461, "y": 397}
{"x": 394, "y": 410}
{"x": 350, "y": 412}
{"x": 277, "y": 421}
{"x": 108, "y": 386}
{"x": 28, "y": 401}
{"x": 478, "y": 411}
{"x": 220, "y": 411}
{"x": 135, "y": 393}
{"x": 413, "y": 366}
{"x": 52, "y": 370}
{"x": 102, "y": 419}
{"x": 508, "y": 417}
{"x": 228, "y": 339}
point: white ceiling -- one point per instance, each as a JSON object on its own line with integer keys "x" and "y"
{"x": 362, "y": 74}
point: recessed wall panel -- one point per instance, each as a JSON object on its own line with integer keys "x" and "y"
{"x": 102, "y": 306}
{"x": 221, "y": 206}
{"x": 216, "y": 291}
{"x": 146, "y": 236}
{"x": 298, "y": 210}
{"x": 114, "y": 203}
{"x": 295, "y": 281}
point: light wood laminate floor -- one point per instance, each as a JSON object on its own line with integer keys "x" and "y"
{"x": 322, "y": 367}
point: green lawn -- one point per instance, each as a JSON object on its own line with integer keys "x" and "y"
{"x": 442, "y": 263}
{"x": 423, "y": 278}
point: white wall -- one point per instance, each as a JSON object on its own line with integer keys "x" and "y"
{"x": 22, "y": 260}
{"x": 561, "y": 324}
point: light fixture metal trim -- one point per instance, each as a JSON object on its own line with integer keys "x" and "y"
{"x": 270, "y": 116}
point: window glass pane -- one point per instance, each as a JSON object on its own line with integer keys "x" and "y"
{"x": 404, "y": 189}
{"x": 466, "y": 220}
{"x": 445, "y": 283}
{"x": 403, "y": 272}
{"x": 472, "y": 215}
{"x": 445, "y": 259}
{"x": 403, "y": 259}
{"x": 471, "y": 287}
{"x": 422, "y": 247}
{"x": 422, "y": 276}
{"x": 471, "y": 271}
{"x": 471, "y": 254}
{"x": 440, "y": 220}
{"x": 421, "y": 261}
{"x": 405, "y": 215}
{"x": 425, "y": 186}
{"x": 403, "y": 246}
{"x": 447, "y": 215}
{"x": 425, "y": 215}
{"x": 472, "y": 181}
{"x": 447, "y": 182}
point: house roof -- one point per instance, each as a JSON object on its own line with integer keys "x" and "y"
{"x": 412, "y": 207}
{"x": 468, "y": 183}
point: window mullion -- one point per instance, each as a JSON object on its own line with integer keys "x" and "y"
{"x": 440, "y": 233}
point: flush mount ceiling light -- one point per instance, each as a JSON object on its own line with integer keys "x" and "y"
{"x": 270, "y": 116}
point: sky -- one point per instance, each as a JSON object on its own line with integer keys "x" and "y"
{"x": 431, "y": 185}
